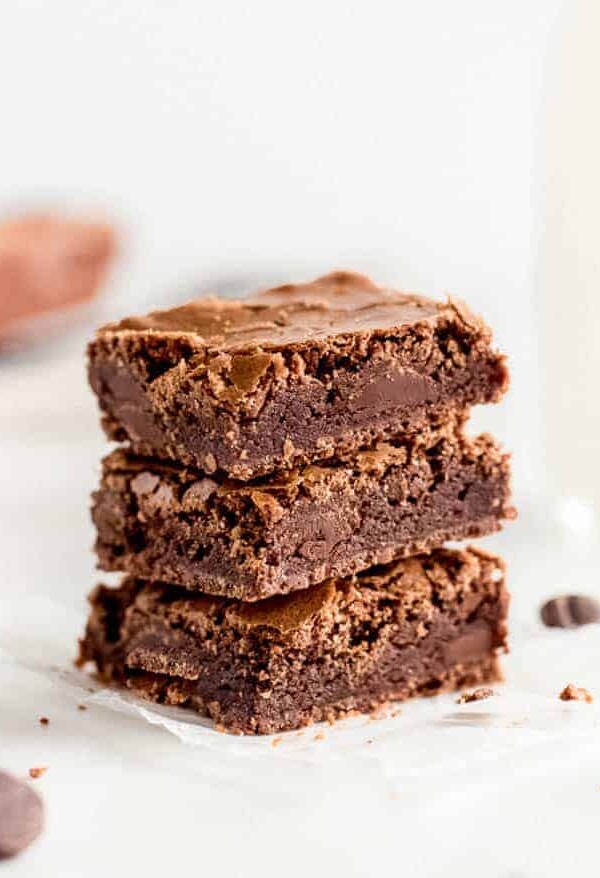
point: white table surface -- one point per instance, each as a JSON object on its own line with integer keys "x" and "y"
{"x": 509, "y": 787}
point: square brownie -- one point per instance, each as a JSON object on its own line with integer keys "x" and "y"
{"x": 422, "y": 625}
{"x": 291, "y": 375}
{"x": 250, "y": 540}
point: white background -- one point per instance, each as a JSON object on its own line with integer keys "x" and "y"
{"x": 238, "y": 143}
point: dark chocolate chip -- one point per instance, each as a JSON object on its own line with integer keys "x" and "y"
{"x": 21, "y": 815}
{"x": 570, "y": 611}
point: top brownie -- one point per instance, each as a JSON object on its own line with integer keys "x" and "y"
{"x": 290, "y": 375}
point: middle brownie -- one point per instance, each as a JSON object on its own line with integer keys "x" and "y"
{"x": 250, "y": 540}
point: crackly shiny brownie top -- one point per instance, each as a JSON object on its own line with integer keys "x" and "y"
{"x": 339, "y": 303}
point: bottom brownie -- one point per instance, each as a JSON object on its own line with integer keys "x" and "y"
{"x": 419, "y": 626}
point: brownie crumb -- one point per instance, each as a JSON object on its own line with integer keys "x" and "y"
{"x": 276, "y": 742}
{"x": 82, "y": 707}
{"x": 38, "y": 771}
{"x": 477, "y": 695}
{"x": 574, "y": 693}
{"x": 44, "y": 721}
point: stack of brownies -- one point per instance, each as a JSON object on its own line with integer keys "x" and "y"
{"x": 291, "y": 466}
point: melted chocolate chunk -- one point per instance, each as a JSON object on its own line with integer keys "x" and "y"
{"x": 575, "y": 693}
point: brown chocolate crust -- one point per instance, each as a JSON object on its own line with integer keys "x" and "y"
{"x": 277, "y": 535}
{"x": 422, "y": 625}
{"x": 292, "y": 375}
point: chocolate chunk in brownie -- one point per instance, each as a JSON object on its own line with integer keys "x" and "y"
{"x": 250, "y": 540}
{"x": 419, "y": 626}
{"x": 291, "y": 375}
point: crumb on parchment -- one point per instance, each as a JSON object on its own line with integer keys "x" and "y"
{"x": 477, "y": 695}
{"x": 575, "y": 693}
